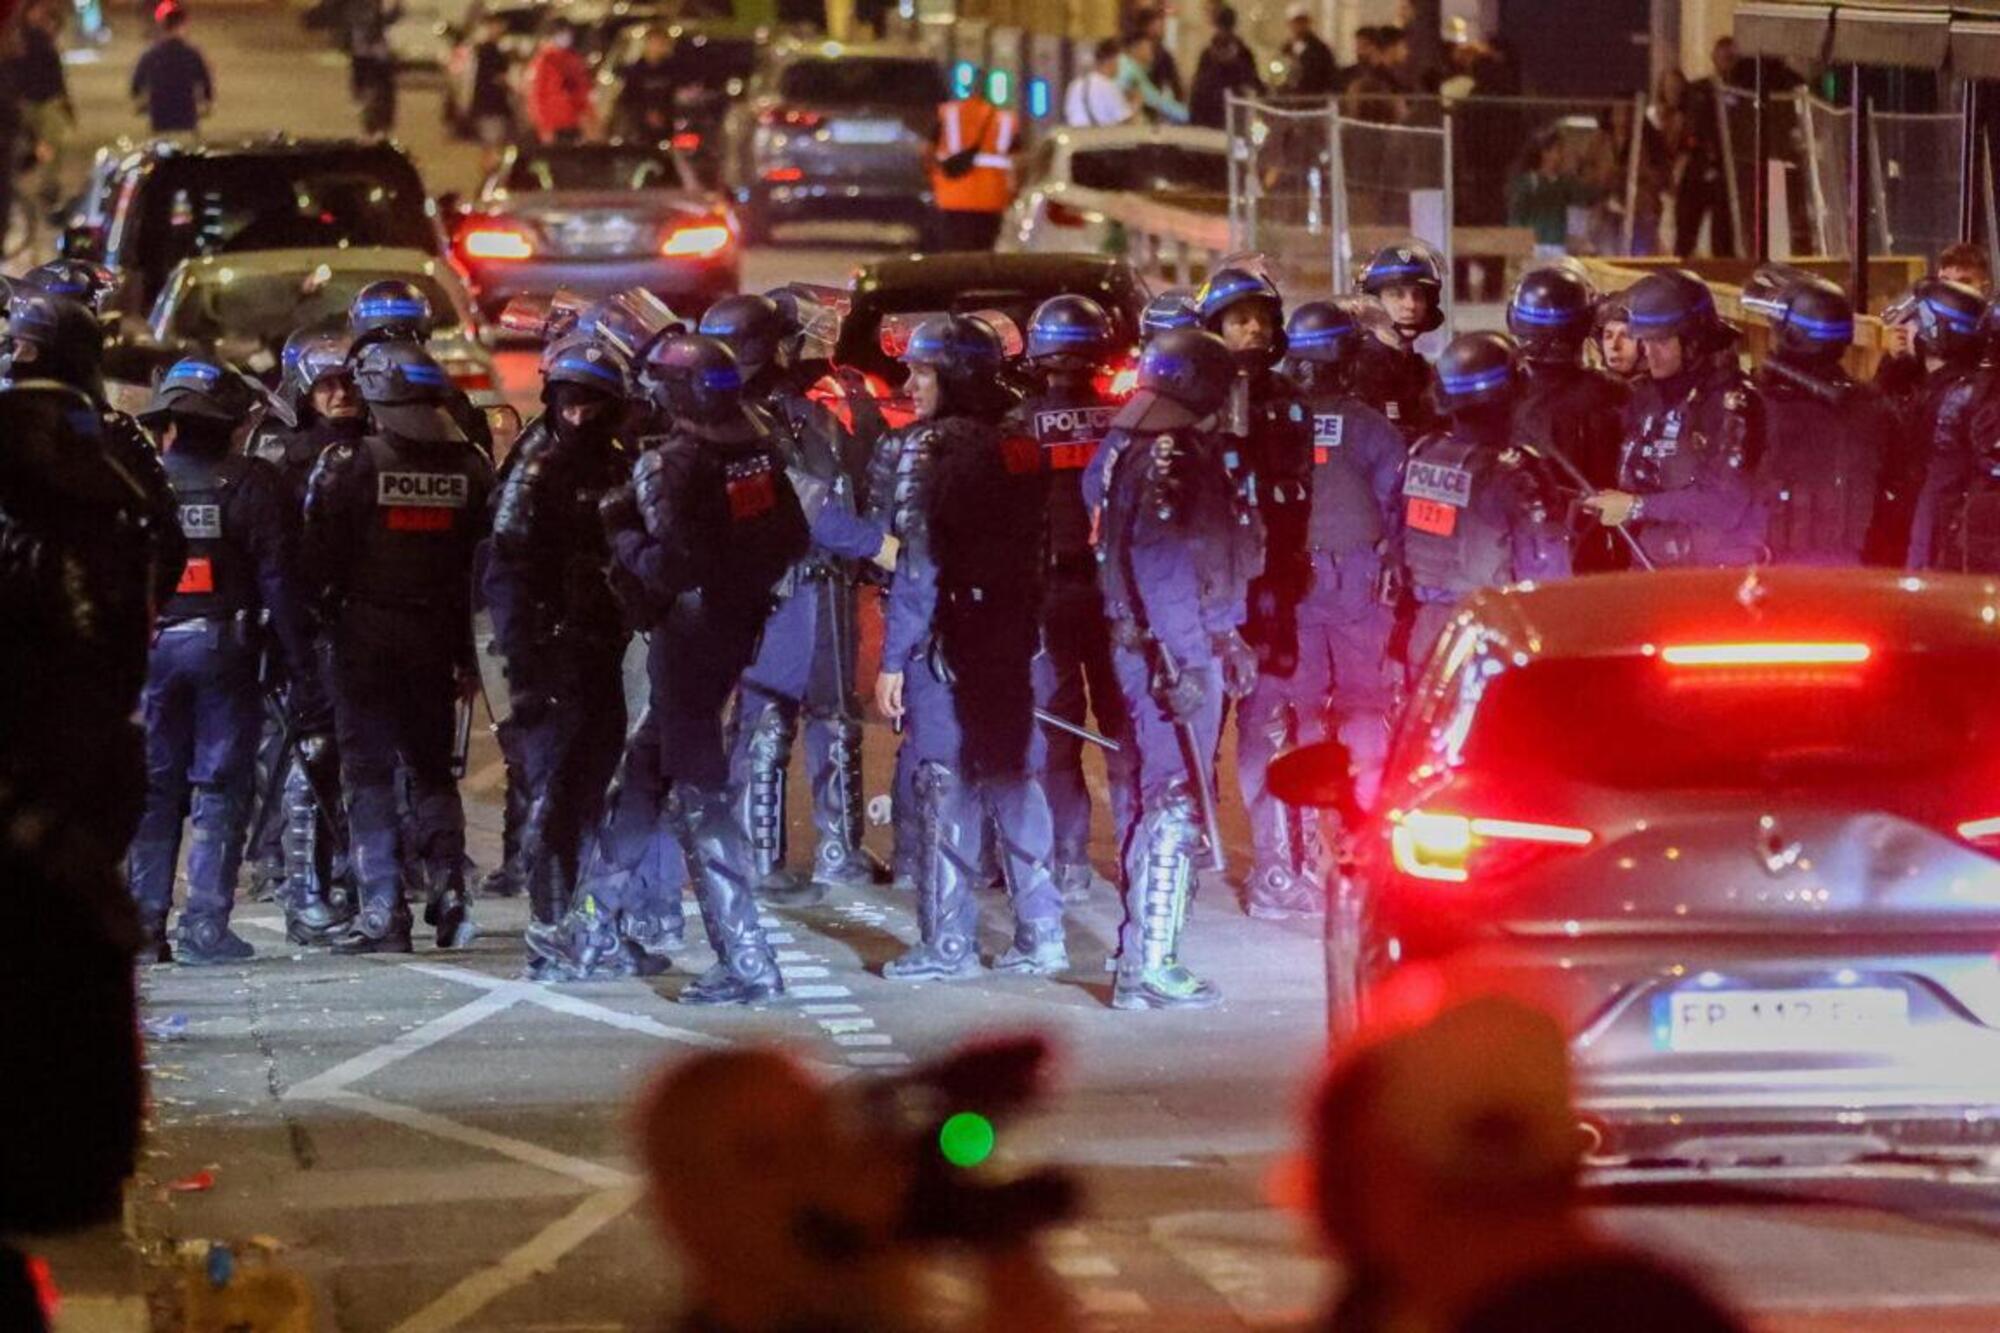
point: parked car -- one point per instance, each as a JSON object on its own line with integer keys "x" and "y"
{"x": 1072, "y": 174}
{"x": 242, "y": 308}
{"x": 597, "y": 219}
{"x": 835, "y": 131}
{"x": 1739, "y": 828}
{"x": 171, "y": 203}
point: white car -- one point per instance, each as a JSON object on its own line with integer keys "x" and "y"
{"x": 242, "y": 308}
{"x": 1073, "y": 175}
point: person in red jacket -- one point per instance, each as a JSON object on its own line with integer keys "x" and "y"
{"x": 559, "y": 86}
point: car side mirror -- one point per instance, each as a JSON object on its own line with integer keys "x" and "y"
{"x": 81, "y": 240}
{"x": 1317, "y": 777}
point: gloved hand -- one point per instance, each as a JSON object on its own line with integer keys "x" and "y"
{"x": 1180, "y": 699}
{"x": 619, "y": 509}
{"x": 1239, "y": 663}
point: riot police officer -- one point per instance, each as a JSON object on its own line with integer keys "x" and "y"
{"x": 698, "y": 543}
{"x": 957, "y": 651}
{"x": 1479, "y": 509}
{"x": 77, "y": 586}
{"x": 1070, "y": 343}
{"x": 1343, "y": 675}
{"x": 316, "y": 405}
{"x": 1179, "y": 546}
{"x": 395, "y": 310}
{"x": 1825, "y": 435}
{"x": 1564, "y": 406}
{"x": 804, "y": 669}
{"x": 1395, "y": 380}
{"x": 559, "y": 630}
{"x": 391, "y": 525}
{"x": 1930, "y": 472}
{"x": 201, "y": 703}
{"x": 57, "y": 339}
{"x": 1694, "y": 435}
{"x": 1269, "y": 423}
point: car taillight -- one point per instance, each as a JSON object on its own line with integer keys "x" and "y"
{"x": 696, "y": 240}
{"x": 1764, "y": 654}
{"x": 495, "y": 240}
{"x": 1062, "y": 215}
{"x": 784, "y": 175}
{"x": 687, "y": 141}
{"x": 1451, "y": 849}
{"x": 790, "y": 119}
{"x": 1118, "y": 382}
{"x": 1982, "y": 833}
{"x": 470, "y": 377}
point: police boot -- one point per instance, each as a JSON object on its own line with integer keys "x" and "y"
{"x": 379, "y": 928}
{"x": 1076, "y": 879}
{"x": 313, "y": 914}
{"x": 153, "y": 945}
{"x": 507, "y": 880}
{"x": 1280, "y": 886}
{"x": 947, "y": 916}
{"x": 840, "y": 814}
{"x": 1038, "y": 950}
{"x": 1159, "y": 873}
{"x": 207, "y": 941}
{"x": 760, "y": 799}
{"x": 583, "y": 946}
{"x": 447, "y": 909}
{"x": 746, "y": 971}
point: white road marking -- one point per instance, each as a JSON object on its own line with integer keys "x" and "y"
{"x": 843, "y": 1026}
{"x": 811, "y": 973}
{"x": 538, "y": 1256}
{"x": 372, "y": 1062}
{"x": 833, "y": 1008}
{"x": 863, "y": 1039}
{"x": 594, "y": 1174}
{"x": 868, "y": 1059}
{"x": 817, "y": 992}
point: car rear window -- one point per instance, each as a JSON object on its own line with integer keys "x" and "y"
{"x": 1900, "y": 721}
{"x": 269, "y": 306}
{"x": 1151, "y": 169}
{"x": 593, "y": 169}
{"x": 214, "y": 205}
{"x": 860, "y": 335}
{"x": 862, "y": 81}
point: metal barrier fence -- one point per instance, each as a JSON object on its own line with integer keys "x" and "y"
{"x": 1915, "y": 170}
{"x": 1314, "y": 191}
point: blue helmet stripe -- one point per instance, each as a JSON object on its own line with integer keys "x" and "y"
{"x": 595, "y": 369}
{"x": 1956, "y": 318}
{"x": 1547, "y": 316}
{"x": 1477, "y": 382}
{"x": 1824, "y": 330}
{"x": 415, "y": 374}
{"x": 391, "y": 307}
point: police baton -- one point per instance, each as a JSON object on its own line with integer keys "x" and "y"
{"x": 1195, "y": 761}
{"x": 1105, "y": 743}
{"x": 1575, "y": 474}
{"x": 461, "y": 744}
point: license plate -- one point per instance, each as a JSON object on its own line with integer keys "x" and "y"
{"x": 614, "y": 236}
{"x": 1828, "y": 1019}
{"x": 865, "y": 131}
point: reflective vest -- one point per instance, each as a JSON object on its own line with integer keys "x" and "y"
{"x": 989, "y": 186}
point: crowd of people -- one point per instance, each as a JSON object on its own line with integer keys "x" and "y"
{"x": 1277, "y": 524}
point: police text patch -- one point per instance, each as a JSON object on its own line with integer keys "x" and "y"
{"x": 422, "y": 490}
{"x": 202, "y": 522}
{"x": 1329, "y": 430}
{"x": 1068, "y": 435}
{"x": 1434, "y": 481}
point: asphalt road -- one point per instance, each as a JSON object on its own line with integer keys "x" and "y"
{"x": 429, "y": 1145}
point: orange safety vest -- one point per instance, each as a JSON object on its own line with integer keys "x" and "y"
{"x": 989, "y": 186}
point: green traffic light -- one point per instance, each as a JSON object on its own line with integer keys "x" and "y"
{"x": 966, "y": 1139}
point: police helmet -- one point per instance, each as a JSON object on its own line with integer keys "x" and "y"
{"x": 751, "y": 326}
{"x": 1947, "y": 316}
{"x": 1323, "y": 332}
{"x": 630, "y": 323}
{"x": 311, "y": 355}
{"x": 1070, "y": 330}
{"x": 407, "y": 392}
{"x": 1228, "y": 288}
{"x": 196, "y": 388}
{"x": 1814, "y": 323}
{"x": 586, "y": 364}
{"x": 391, "y": 310}
{"x": 1478, "y": 370}
{"x": 694, "y": 378}
{"x": 79, "y": 280}
{"x": 64, "y": 339}
{"x": 1550, "y": 311}
{"x": 966, "y": 352}
{"x": 1408, "y": 263}
{"x": 1189, "y": 368}
{"x": 1672, "y": 303}
{"x": 1173, "y": 309}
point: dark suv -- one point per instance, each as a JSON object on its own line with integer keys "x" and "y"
{"x": 170, "y": 203}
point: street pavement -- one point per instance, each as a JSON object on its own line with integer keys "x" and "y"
{"x": 427, "y": 1143}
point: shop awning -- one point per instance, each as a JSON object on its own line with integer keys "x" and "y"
{"x": 1794, "y": 33}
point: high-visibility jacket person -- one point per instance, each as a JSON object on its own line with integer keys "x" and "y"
{"x": 969, "y": 205}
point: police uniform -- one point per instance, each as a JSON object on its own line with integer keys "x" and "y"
{"x": 1691, "y": 448}
{"x": 201, "y": 703}
{"x": 1179, "y": 548}
{"x": 391, "y": 526}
